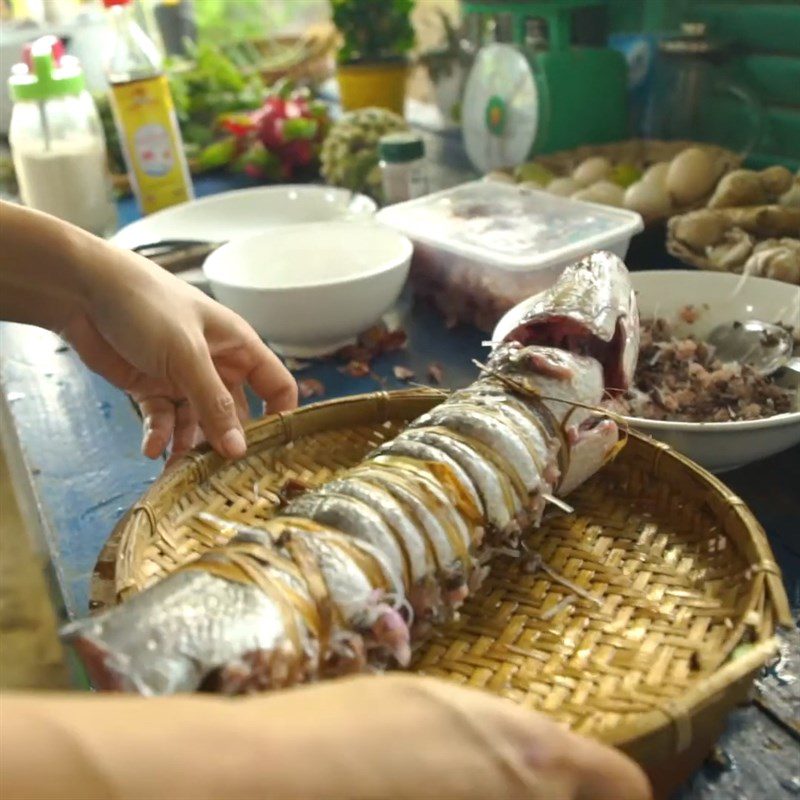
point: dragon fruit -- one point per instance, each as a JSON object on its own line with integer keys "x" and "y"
{"x": 282, "y": 139}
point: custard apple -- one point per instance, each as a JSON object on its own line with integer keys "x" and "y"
{"x": 350, "y": 151}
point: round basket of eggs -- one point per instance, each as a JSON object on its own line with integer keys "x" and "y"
{"x": 717, "y": 215}
{"x": 656, "y": 179}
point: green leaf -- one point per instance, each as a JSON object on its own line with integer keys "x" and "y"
{"x": 207, "y": 87}
{"x": 218, "y": 154}
{"x": 373, "y": 30}
{"x": 198, "y": 134}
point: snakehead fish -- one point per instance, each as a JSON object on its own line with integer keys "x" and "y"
{"x": 352, "y": 575}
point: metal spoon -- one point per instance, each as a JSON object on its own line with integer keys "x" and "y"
{"x": 764, "y": 347}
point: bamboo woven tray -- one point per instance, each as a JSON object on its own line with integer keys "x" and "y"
{"x": 688, "y": 593}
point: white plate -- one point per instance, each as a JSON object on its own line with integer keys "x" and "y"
{"x": 243, "y": 213}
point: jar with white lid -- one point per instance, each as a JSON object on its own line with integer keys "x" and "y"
{"x": 402, "y": 163}
{"x": 57, "y": 141}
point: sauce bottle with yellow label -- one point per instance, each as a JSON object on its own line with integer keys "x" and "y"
{"x": 144, "y": 114}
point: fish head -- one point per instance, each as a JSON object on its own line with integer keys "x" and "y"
{"x": 591, "y": 310}
{"x": 572, "y": 388}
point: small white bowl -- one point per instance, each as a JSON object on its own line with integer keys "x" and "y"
{"x": 309, "y": 289}
{"x": 718, "y": 297}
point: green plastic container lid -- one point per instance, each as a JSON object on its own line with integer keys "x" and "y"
{"x": 401, "y": 147}
{"x": 47, "y": 79}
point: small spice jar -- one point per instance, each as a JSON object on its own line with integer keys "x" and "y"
{"x": 402, "y": 163}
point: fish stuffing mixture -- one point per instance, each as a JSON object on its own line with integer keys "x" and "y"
{"x": 679, "y": 378}
{"x": 351, "y": 576}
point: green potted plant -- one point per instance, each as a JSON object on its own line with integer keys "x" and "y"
{"x": 377, "y": 36}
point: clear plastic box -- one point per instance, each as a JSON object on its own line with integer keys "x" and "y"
{"x": 482, "y": 247}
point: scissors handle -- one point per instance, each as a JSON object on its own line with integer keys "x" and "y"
{"x": 177, "y": 255}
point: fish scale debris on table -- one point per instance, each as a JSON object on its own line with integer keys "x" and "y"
{"x": 353, "y": 575}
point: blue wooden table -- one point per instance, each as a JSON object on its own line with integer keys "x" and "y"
{"x": 73, "y": 448}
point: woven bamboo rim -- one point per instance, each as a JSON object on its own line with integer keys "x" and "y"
{"x": 640, "y": 153}
{"x": 683, "y": 573}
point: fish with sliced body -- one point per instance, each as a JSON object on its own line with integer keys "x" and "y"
{"x": 352, "y": 575}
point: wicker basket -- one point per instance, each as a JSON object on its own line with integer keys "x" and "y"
{"x": 640, "y": 153}
{"x": 682, "y": 574}
{"x": 306, "y": 57}
{"x": 765, "y": 224}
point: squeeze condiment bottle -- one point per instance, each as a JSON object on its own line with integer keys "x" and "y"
{"x": 57, "y": 141}
{"x": 145, "y": 114}
{"x": 402, "y": 163}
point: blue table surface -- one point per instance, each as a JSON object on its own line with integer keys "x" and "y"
{"x": 75, "y": 443}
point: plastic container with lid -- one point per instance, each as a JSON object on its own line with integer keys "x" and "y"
{"x": 402, "y": 163}
{"x": 57, "y": 141}
{"x": 482, "y": 247}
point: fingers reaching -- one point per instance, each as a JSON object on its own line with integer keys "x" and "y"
{"x": 212, "y": 402}
{"x": 242, "y": 406}
{"x": 186, "y": 431}
{"x": 271, "y": 381}
{"x": 158, "y": 422}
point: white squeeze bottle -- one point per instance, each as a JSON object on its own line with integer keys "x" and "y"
{"x": 57, "y": 141}
{"x": 144, "y": 114}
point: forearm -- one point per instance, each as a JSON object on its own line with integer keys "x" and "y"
{"x": 324, "y": 742}
{"x": 46, "y": 267}
{"x": 63, "y": 747}
{"x": 94, "y": 747}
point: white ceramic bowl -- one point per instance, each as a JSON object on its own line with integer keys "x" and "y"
{"x": 717, "y": 446}
{"x": 310, "y": 289}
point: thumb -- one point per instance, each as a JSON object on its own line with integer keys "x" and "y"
{"x": 213, "y": 402}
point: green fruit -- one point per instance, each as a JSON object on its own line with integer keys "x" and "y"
{"x": 625, "y": 175}
{"x": 533, "y": 173}
{"x": 349, "y": 156}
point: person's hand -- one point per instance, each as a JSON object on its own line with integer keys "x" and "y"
{"x": 394, "y": 737}
{"x": 181, "y": 356}
{"x": 405, "y": 737}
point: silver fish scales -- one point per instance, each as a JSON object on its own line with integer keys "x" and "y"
{"x": 352, "y": 575}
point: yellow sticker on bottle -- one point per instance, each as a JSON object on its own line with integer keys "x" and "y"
{"x": 151, "y": 142}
